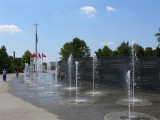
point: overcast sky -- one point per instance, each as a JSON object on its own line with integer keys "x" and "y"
{"x": 98, "y": 22}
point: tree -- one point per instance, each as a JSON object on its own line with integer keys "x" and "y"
{"x": 115, "y": 53}
{"x": 4, "y": 59}
{"x": 18, "y": 64}
{"x": 77, "y": 47}
{"x": 148, "y": 51}
{"x": 124, "y": 49}
{"x": 25, "y": 58}
{"x": 66, "y": 50}
{"x": 158, "y": 37}
{"x": 106, "y": 51}
{"x": 139, "y": 50}
{"x": 80, "y": 49}
{"x": 157, "y": 52}
{"x": 99, "y": 52}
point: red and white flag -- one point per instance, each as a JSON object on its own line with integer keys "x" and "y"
{"x": 34, "y": 55}
{"x": 31, "y": 55}
{"x": 39, "y": 55}
{"x": 43, "y": 55}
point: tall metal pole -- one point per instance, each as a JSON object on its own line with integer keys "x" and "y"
{"x": 36, "y": 41}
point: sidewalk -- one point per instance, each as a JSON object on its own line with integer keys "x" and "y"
{"x": 13, "y": 108}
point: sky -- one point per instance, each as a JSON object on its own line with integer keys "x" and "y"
{"x": 97, "y": 22}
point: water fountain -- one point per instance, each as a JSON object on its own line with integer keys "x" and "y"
{"x": 129, "y": 93}
{"x": 77, "y": 101}
{"x": 56, "y": 71}
{"x": 70, "y": 60}
{"x": 25, "y": 71}
{"x": 56, "y": 76}
{"x": 76, "y": 80}
{"x": 133, "y": 55}
{"x": 94, "y": 66}
{"x": 34, "y": 77}
{"x": 129, "y": 115}
{"x": 38, "y": 75}
{"x": 50, "y": 85}
{"x": 49, "y": 78}
{"x": 134, "y": 101}
{"x": 94, "y": 93}
{"x": 70, "y": 68}
{"x": 131, "y": 101}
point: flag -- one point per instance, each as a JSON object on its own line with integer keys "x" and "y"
{"x": 39, "y": 55}
{"x": 43, "y": 55}
{"x": 31, "y": 55}
{"x": 34, "y": 55}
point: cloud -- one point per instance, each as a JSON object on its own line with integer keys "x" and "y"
{"x": 10, "y": 28}
{"x": 109, "y": 8}
{"x": 88, "y": 10}
{"x": 107, "y": 43}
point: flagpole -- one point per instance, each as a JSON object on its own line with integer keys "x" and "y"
{"x": 36, "y": 40}
{"x": 42, "y": 62}
{"x": 30, "y": 64}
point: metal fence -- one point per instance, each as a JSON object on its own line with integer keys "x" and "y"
{"x": 112, "y": 71}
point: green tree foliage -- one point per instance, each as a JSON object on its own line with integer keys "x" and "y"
{"x": 157, "y": 52}
{"x": 124, "y": 49}
{"x": 115, "y": 53}
{"x": 148, "y": 51}
{"x": 106, "y": 51}
{"x": 4, "y": 59}
{"x": 25, "y": 58}
{"x": 99, "y": 52}
{"x": 18, "y": 65}
{"x": 11, "y": 67}
{"x": 77, "y": 47}
{"x": 158, "y": 37}
{"x": 66, "y": 50}
{"x": 139, "y": 50}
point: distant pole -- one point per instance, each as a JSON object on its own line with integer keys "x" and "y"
{"x": 14, "y": 54}
{"x": 36, "y": 41}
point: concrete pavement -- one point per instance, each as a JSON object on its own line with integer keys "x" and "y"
{"x": 13, "y": 108}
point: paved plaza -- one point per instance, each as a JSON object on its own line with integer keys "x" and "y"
{"x": 14, "y": 108}
{"x": 23, "y": 102}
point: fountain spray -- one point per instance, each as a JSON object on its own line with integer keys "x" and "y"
{"x": 129, "y": 92}
{"x": 77, "y": 64}
{"x": 133, "y": 68}
{"x": 70, "y": 71}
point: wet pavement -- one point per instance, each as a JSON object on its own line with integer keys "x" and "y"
{"x": 36, "y": 91}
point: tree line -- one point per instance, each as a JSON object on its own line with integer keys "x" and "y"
{"x": 78, "y": 48}
{"x": 124, "y": 49}
{"x": 12, "y": 64}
